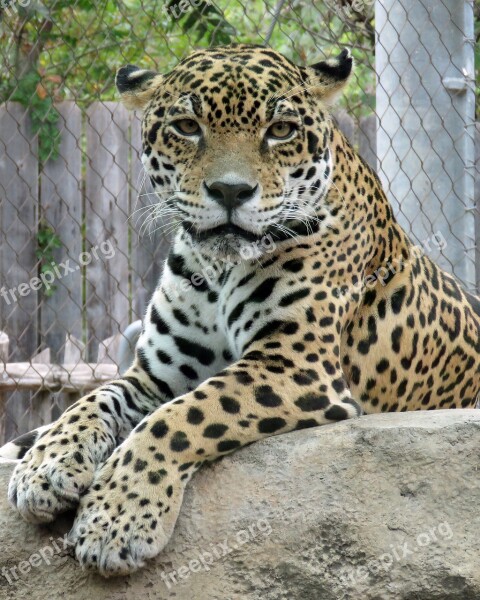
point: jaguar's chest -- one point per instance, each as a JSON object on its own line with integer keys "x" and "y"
{"x": 249, "y": 301}
{"x": 237, "y": 310}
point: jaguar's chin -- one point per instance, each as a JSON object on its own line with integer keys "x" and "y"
{"x": 228, "y": 231}
{"x": 231, "y": 242}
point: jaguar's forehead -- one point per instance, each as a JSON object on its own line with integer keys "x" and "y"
{"x": 235, "y": 72}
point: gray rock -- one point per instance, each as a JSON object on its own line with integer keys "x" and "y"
{"x": 381, "y": 508}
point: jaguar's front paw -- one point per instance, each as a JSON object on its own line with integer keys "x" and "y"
{"x": 58, "y": 467}
{"x": 129, "y": 513}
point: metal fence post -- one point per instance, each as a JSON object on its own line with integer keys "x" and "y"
{"x": 426, "y": 111}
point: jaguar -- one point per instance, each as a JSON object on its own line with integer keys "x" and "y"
{"x": 294, "y": 329}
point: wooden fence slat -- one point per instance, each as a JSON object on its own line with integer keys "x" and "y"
{"x": 42, "y": 358}
{"x": 61, "y": 209}
{"x": 61, "y": 202}
{"x": 476, "y": 171}
{"x": 108, "y": 293}
{"x": 74, "y": 354}
{"x": 367, "y": 140}
{"x": 346, "y": 124}
{"x": 4, "y": 344}
{"x": 18, "y": 263}
{"x": 41, "y": 402}
{"x": 108, "y": 350}
{"x": 74, "y": 350}
{"x": 18, "y": 207}
{"x": 149, "y": 249}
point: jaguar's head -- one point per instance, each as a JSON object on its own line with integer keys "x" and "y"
{"x": 236, "y": 143}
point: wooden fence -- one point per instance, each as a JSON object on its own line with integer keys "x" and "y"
{"x": 88, "y": 197}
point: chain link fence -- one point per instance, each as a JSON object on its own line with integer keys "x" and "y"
{"x": 77, "y": 260}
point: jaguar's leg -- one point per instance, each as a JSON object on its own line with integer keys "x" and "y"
{"x": 130, "y": 511}
{"x": 171, "y": 358}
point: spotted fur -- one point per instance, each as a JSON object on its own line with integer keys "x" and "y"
{"x": 241, "y": 149}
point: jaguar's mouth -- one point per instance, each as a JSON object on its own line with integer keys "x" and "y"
{"x": 225, "y": 230}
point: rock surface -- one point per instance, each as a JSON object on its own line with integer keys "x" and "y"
{"x": 383, "y": 507}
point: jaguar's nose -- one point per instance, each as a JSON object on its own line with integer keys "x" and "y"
{"x": 231, "y": 195}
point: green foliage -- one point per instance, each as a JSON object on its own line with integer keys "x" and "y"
{"x": 43, "y": 115}
{"x": 47, "y": 242}
{"x": 79, "y": 44}
{"x": 204, "y": 22}
{"x": 87, "y": 42}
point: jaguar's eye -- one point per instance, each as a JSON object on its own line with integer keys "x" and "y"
{"x": 186, "y": 126}
{"x": 281, "y": 130}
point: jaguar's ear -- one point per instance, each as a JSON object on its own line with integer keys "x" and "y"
{"x": 136, "y": 86}
{"x": 327, "y": 78}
